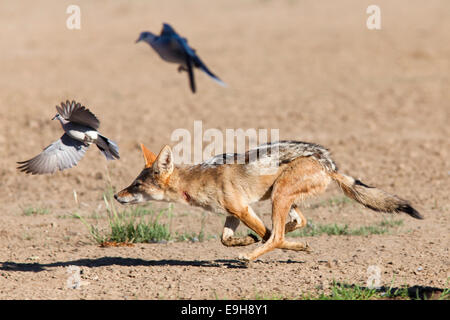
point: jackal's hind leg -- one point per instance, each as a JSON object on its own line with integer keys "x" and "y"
{"x": 305, "y": 178}
{"x": 228, "y": 239}
{"x": 298, "y": 221}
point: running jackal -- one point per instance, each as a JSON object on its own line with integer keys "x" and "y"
{"x": 286, "y": 172}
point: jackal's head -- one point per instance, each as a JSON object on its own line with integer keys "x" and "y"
{"x": 152, "y": 182}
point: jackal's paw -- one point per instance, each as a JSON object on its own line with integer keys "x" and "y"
{"x": 308, "y": 249}
{"x": 292, "y": 226}
{"x": 244, "y": 259}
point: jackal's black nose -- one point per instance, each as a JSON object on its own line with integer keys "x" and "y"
{"x": 115, "y": 196}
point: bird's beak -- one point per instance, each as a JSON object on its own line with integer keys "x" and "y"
{"x": 139, "y": 39}
{"x": 54, "y": 118}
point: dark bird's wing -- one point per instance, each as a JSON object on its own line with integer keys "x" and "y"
{"x": 182, "y": 42}
{"x": 167, "y": 30}
{"x": 75, "y": 112}
{"x": 61, "y": 154}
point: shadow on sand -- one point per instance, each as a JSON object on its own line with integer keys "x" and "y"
{"x": 119, "y": 261}
{"x": 413, "y": 292}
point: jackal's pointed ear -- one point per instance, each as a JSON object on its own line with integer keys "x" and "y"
{"x": 149, "y": 156}
{"x": 164, "y": 162}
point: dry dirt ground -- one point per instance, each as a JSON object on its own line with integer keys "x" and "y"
{"x": 379, "y": 99}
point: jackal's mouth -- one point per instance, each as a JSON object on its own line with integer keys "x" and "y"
{"x": 123, "y": 200}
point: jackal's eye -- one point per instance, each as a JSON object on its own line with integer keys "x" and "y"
{"x": 137, "y": 183}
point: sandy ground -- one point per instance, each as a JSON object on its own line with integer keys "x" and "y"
{"x": 379, "y": 99}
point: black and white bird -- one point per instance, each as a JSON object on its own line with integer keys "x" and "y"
{"x": 80, "y": 130}
{"x": 171, "y": 47}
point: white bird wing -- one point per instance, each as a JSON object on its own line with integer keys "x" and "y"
{"x": 62, "y": 154}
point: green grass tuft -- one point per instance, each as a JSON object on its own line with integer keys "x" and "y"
{"x": 134, "y": 225}
{"x": 342, "y": 291}
{"x": 312, "y": 229}
{"x": 194, "y": 236}
{"x": 30, "y": 211}
{"x": 336, "y": 201}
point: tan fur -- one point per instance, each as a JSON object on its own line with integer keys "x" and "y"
{"x": 232, "y": 188}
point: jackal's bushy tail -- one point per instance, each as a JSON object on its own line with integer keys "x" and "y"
{"x": 373, "y": 198}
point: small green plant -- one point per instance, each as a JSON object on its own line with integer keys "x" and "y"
{"x": 312, "y": 229}
{"x": 336, "y": 201}
{"x": 27, "y": 236}
{"x": 125, "y": 229}
{"x": 270, "y": 296}
{"x": 341, "y": 291}
{"x": 445, "y": 295}
{"x": 366, "y": 230}
{"x": 396, "y": 293}
{"x": 344, "y": 292}
{"x": 68, "y": 216}
{"x": 391, "y": 223}
{"x": 30, "y": 211}
{"x": 135, "y": 225}
{"x": 193, "y": 236}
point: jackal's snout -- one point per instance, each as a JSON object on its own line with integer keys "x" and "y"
{"x": 124, "y": 197}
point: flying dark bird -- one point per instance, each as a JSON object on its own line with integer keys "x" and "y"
{"x": 80, "y": 126}
{"x": 173, "y": 48}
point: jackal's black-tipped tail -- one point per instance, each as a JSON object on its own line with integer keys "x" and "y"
{"x": 373, "y": 198}
{"x": 406, "y": 208}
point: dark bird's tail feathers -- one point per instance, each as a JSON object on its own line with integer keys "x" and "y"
{"x": 108, "y": 147}
{"x": 199, "y": 64}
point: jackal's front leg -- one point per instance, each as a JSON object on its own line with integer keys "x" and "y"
{"x": 232, "y": 222}
{"x": 245, "y": 214}
{"x": 228, "y": 238}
